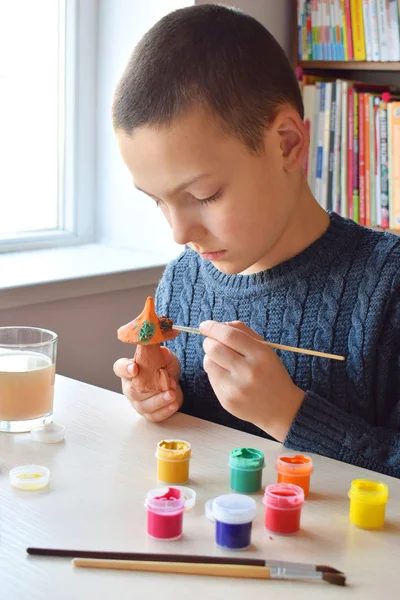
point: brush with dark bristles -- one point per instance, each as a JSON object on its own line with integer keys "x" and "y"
{"x": 211, "y": 569}
{"x": 182, "y": 558}
{"x": 276, "y": 569}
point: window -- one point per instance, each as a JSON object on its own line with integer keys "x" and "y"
{"x": 40, "y": 127}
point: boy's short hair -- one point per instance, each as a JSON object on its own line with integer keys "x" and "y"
{"x": 216, "y": 57}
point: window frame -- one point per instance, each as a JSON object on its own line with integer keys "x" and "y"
{"x": 77, "y": 133}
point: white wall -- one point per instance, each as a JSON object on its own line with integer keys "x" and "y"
{"x": 86, "y": 326}
{"x": 275, "y": 15}
{"x": 123, "y": 211}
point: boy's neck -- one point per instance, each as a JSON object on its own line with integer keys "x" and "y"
{"x": 307, "y": 223}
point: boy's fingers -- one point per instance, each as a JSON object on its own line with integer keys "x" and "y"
{"x": 162, "y": 413}
{"x": 242, "y": 327}
{"x": 125, "y": 367}
{"x": 151, "y": 405}
{"x": 232, "y": 337}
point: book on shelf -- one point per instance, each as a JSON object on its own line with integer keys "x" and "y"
{"x": 351, "y": 164}
{"x": 348, "y": 30}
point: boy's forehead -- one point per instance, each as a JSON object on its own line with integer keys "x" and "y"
{"x": 191, "y": 144}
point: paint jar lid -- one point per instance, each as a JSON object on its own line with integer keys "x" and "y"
{"x": 189, "y": 496}
{"x": 29, "y": 477}
{"x": 173, "y": 450}
{"x": 246, "y": 459}
{"x": 369, "y": 492}
{"x": 165, "y": 500}
{"x": 284, "y": 496}
{"x": 231, "y": 508}
{"x": 48, "y": 434}
{"x": 298, "y": 464}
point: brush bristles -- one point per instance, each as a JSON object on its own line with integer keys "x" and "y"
{"x": 326, "y": 569}
{"x": 334, "y": 578}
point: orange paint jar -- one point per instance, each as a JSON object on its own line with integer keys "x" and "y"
{"x": 173, "y": 457}
{"x": 296, "y": 470}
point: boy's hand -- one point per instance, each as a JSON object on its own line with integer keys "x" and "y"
{"x": 154, "y": 407}
{"x": 248, "y": 378}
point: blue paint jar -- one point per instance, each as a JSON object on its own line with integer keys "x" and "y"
{"x": 233, "y": 515}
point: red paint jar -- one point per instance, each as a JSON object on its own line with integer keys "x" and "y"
{"x": 165, "y": 508}
{"x": 283, "y": 503}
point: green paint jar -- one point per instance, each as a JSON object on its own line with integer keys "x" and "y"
{"x": 246, "y": 466}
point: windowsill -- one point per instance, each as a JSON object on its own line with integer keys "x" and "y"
{"x": 54, "y": 274}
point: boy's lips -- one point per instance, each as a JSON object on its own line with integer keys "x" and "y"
{"x": 212, "y": 255}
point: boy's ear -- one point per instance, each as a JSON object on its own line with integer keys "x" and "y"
{"x": 294, "y": 139}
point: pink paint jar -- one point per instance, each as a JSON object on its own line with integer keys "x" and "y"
{"x": 165, "y": 507}
{"x": 283, "y": 503}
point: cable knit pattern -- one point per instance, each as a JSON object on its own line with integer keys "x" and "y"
{"x": 341, "y": 295}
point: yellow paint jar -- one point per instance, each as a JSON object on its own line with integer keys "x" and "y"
{"x": 173, "y": 458}
{"x": 368, "y": 503}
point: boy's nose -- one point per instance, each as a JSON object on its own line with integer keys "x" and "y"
{"x": 185, "y": 232}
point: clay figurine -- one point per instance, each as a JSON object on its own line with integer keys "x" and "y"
{"x": 148, "y": 331}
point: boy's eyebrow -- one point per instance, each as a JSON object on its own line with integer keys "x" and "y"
{"x": 181, "y": 186}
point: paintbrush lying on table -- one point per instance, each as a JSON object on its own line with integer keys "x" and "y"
{"x": 270, "y": 344}
{"x": 211, "y": 569}
{"x": 223, "y": 566}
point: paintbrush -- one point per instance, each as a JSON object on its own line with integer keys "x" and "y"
{"x": 214, "y": 570}
{"x": 181, "y": 558}
{"x": 196, "y": 331}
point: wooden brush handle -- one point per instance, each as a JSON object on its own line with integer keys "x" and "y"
{"x": 215, "y": 570}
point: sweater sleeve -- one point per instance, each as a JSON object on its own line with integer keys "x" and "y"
{"x": 321, "y": 427}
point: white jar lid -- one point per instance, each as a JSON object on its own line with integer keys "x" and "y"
{"x": 29, "y": 477}
{"x": 48, "y": 434}
{"x": 231, "y": 508}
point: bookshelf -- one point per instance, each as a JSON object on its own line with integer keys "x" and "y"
{"x": 353, "y": 65}
{"x": 367, "y": 72}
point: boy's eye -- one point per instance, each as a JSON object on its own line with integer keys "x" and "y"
{"x": 210, "y": 198}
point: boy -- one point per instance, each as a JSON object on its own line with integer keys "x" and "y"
{"x": 209, "y": 121}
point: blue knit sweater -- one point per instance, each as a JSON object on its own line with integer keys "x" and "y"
{"x": 339, "y": 295}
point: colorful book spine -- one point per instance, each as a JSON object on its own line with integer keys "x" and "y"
{"x": 308, "y": 101}
{"x": 348, "y": 29}
{"x": 331, "y": 151}
{"x": 299, "y": 29}
{"x": 383, "y": 154}
{"x": 361, "y": 159}
{"x": 367, "y": 29}
{"x": 394, "y": 51}
{"x": 394, "y": 175}
{"x": 367, "y": 155}
{"x": 320, "y": 142}
{"x": 377, "y": 162}
{"x": 373, "y": 15}
{"x": 372, "y": 158}
{"x": 337, "y": 146}
{"x": 325, "y": 156}
{"x": 320, "y": 30}
{"x": 339, "y": 28}
{"x": 308, "y": 30}
{"x": 356, "y": 154}
{"x": 314, "y": 30}
{"x": 357, "y": 24}
{"x": 350, "y": 148}
{"x": 383, "y": 31}
{"x": 344, "y": 152}
{"x": 314, "y": 141}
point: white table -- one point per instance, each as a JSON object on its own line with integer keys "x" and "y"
{"x": 99, "y": 477}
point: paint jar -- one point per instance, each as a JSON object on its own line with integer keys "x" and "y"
{"x": 295, "y": 469}
{"x": 246, "y": 465}
{"x": 368, "y": 501}
{"x": 165, "y": 507}
{"x": 173, "y": 458}
{"x": 233, "y": 515}
{"x": 283, "y": 503}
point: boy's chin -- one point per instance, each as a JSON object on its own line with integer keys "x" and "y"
{"x": 229, "y": 268}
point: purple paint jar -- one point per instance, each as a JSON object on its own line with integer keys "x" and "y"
{"x": 233, "y": 515}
